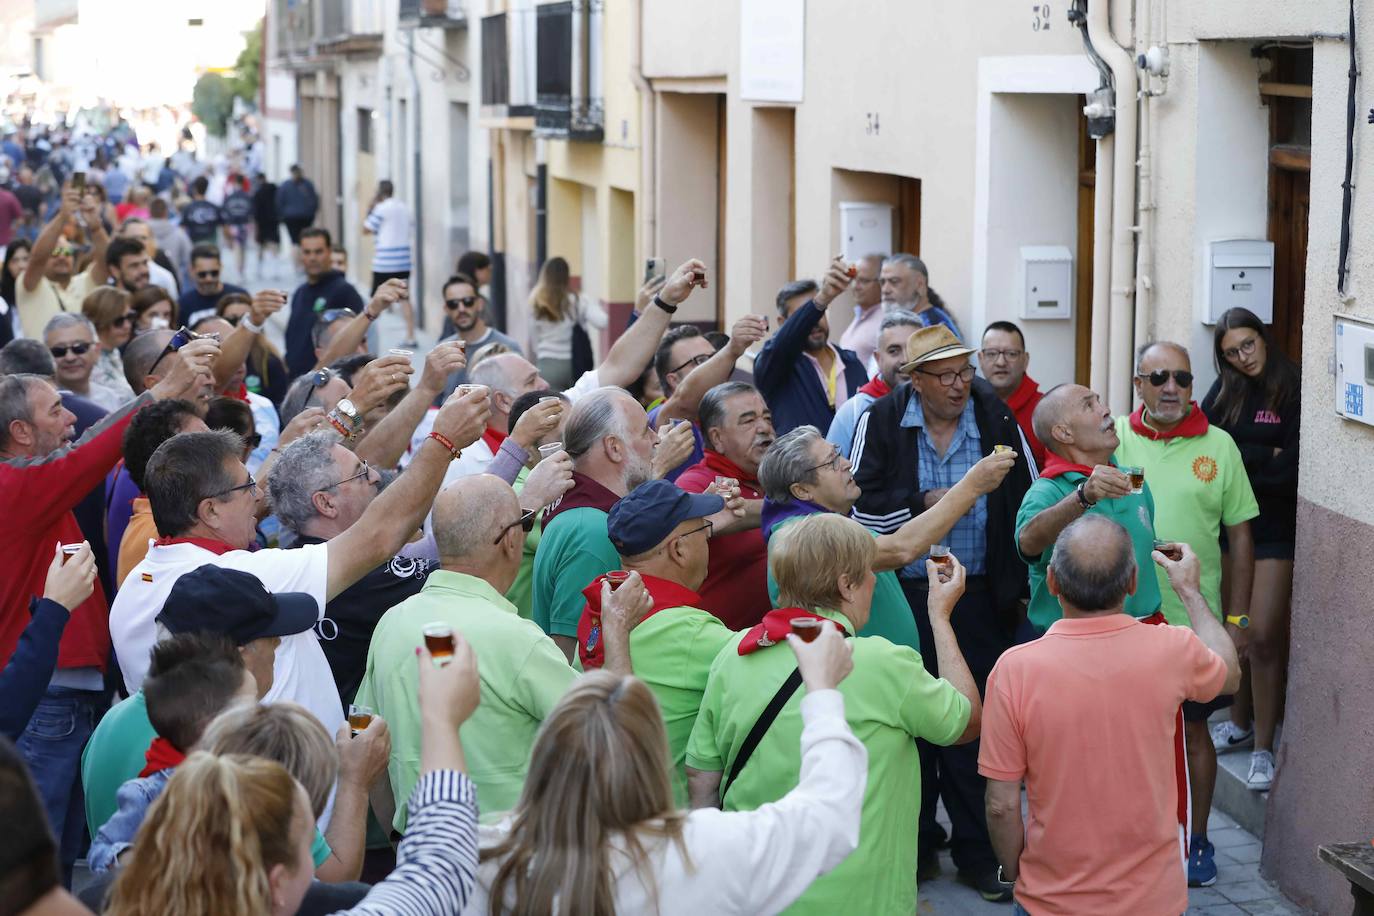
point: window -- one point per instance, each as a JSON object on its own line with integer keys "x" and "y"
{"x": 568, "y": 73}
{"x": 364, "y": 130}
{"x": 495, "y": 61}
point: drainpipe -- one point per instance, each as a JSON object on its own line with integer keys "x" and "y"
{"x": 1121, "y": 362}
{"x": 1102, "y": 264}
{"x": 648, "y": 138}
{"x": 418, "y": 296}
{"x": 1153, "y": 63}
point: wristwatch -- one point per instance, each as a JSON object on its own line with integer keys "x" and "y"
{"x": 345, "y": 407}
{"x": 658, "y": 301}
{"x": 1083, "y": 496}
{"x": 1240, "y": 621}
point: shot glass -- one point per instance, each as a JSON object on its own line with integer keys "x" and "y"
{"x": 944, "y": 560}
{"x": 482, "y": 389}
{"x": 1169, "y": 549}
{"x": 439, "y": 642}
{"x": 359, "y": 717}
{"x": 71, "y": 550}
{"x": 397, "y": 351}
{"x": 549, "y": 450}
{"x": 807, "y": 628}
{"x": 1137, "y": 475}
{"x": 1000, "y": 449}
{"x": 617, "y": 578}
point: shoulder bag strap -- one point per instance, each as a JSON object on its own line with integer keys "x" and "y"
{"x": 765, "y": 721}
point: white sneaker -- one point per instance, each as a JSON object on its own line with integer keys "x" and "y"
{"x": 1261, "y": 771}
{"x": 1228, "y": 736}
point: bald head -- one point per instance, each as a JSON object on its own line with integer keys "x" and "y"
{"x": 140, "y": 355}
{"x": 469, "y": 514}
{"x": 1150, "y": 349}
{"x": 1050, "y": 411}
{"x": 1093, "y": 568}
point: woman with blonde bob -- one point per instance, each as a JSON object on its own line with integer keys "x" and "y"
{"x": 596, "y": 832}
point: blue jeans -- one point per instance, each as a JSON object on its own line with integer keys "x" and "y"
{"x": 52, "y": 745}
{"x": 1018, "y": 910}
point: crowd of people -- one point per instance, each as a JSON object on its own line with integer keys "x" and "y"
{"x": 277, "y": 626}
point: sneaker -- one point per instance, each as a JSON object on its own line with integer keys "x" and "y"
{"x": 1261, "y": 771}
{"x": 1202, "y": 869}
{"x": 1228, "y": 736}
{"x": 984, "y": 881}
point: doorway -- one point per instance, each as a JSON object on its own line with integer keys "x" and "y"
{"x": 1287, "y": 89}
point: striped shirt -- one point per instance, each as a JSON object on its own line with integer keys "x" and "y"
{"x": 436, "y": 863}
{"x": 390, "y": 222}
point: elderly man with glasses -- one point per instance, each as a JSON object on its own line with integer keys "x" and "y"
{"x": 910, "y": 447}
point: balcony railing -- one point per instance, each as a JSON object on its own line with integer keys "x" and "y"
{"x": 568, "y": 100}
{"x": 444, "y": 14}
{"x": 310, "y": 28}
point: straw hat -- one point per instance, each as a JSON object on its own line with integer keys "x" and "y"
{"x": 932, "y": 343}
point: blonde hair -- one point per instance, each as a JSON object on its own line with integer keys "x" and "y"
{"x": 286, "y": 733}
{"x": 210, "y": 840}
{"x": 104, "y": 306}
{"x": 549, "y": 298}
{"x": 808, "y": 557}
{"x": 599, "y": 768}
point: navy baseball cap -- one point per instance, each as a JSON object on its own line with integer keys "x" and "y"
{"x": 236, "y": 604}
{"x": 642, "y": 520}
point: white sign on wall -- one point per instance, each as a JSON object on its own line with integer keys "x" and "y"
{"x": 772, "y": 49}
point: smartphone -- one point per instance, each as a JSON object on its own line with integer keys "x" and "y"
{"x": 655, "y": 269}
{"x": 79, "y": 182}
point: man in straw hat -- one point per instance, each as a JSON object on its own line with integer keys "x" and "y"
{"x": 909, "y": 449}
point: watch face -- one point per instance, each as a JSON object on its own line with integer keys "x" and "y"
{"x": 346, "y": 408}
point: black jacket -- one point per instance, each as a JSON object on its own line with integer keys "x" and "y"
{"x": 331, "y": 290}
{"x": 885, "y": 468}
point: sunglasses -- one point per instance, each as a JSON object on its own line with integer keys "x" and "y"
{"x": 63, "y": 251}
{"x": 124, "y": 319}
{"x": 207, "y": 275}
{"x": 525, "y": 521}
{"x": 465, "y": 302}
{"x": 80, "y": 349}
{"x": 180, "y": 339}
{"x": 1160, "y": 377}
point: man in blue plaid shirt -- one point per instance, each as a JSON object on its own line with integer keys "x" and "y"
{"x": 909, "y": 448}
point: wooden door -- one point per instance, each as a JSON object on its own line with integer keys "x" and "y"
{"x": 1287, "y": 90}
{"x": 1083, "y": 274}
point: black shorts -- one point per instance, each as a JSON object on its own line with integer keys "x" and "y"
{"x": 1275, "y": 550}
{"x": 1201, "y": 712}
{"x": 294, "y": 228}
{"x": 269, "y": 233}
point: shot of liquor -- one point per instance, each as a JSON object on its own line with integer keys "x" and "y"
{"x": 1169, "y": 549}
{"x": 699, "y": 277}
{"x": 944, "y": 560}
{"x": 397, "y": 351}
{"x": 546, "y": 451}
{"x": 439, "y": 642}
{"x": 481, "y": 389}
{"x": 807, "y": 628}
{"x": 1000, "y": 449}
{"x": 851, "y": 271}
{"x": 617, "y": 578}
{"x": 1137, "y": 475}
{"x": 359, "y": 718}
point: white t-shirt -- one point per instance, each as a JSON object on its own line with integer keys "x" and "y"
{"x": 390, "y": 220}
{"x": 300, "y": 673}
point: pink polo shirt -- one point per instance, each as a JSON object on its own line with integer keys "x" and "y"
{"x": 1086, "y": 716}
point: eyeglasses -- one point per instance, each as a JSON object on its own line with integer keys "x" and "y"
{"x": 251, "y": 484}
{"x": 207, "y": 275}
{"x": 708, "y": 528}
{"x": 992, "y": 355}
{"x": 1160, "y": 377}
{"x": 525, "y": 521}
{"x": 253, "y": 441}
{"x": 63, "y": 251}
{"x": 465, "y": 302}
{"x": 80, "y": 349}
{"x": 1246, "y": 347}
{"x": 833, "y": 462}
{"x": 364, "y": 469}
{"x": 694, "y": 361}
{"x": 124, "y": 319}
{"x": 947, "y": 377}
{"x": 332, "y": 315}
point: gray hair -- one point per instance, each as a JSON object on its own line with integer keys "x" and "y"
{"x": 304, "y": 468}
{"x": 592, "y": 418}
{"x": 490, "y": 371}
{"x": 1166, "y": 344}
{"x": 900, "y": 318}
{"x": 789, "y": 462}
{"x": 909, "y": 261}
{"x": 184, "y": 470}
{"x": 140, "y": 355}
{"x": 14, "y": 402}
{"x": 299, "y": 394}
{"x": 26, "y": 356}
{"x": 68, "y": 320}
{"x": 1092, "y": 564}
{"x": 711, "y": 412}
{"x": 469, "y": 513}
{"x": 484, "y": 353}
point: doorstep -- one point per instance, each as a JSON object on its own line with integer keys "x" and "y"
{"x": 1244, "y": 805}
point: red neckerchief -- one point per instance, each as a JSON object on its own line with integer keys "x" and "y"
{"x": 1180, "y": 756}
{"x": 590, "y": 647}
{"x": 161, "y": 755}
{"x": 585, "y": 494}
{"x": 1195, "y": 424}
{"x": 727, "y": 468}
{"x": 218, "y": 548}
{"x": 775, "y": 627}
{"x": 877, "y": 388}
{"x": 239, "y": 394}
{"x": 1023, "y": 395}
{"x": 493, "y": 438}
{"x": 1056, "y": 466}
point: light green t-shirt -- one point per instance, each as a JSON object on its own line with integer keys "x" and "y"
{"x": 572, "y": 552}
{"x": 1200, "y": 484}
{"x": 889, "y": 698}
{"x": 672, "y": 652}
{"x": 889, "y": 615}
{"x": 523, "y": 677}
{"x": 521, "y": 591}
{"x": 1135, "y": 513}
{"x": 116, "y": 752}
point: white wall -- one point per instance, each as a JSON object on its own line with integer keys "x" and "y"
{"x": 1032, "y": 200}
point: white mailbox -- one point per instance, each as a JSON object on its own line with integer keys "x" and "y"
{"x": 1355, "y": 370}
{"x": 1046, "y": 282}
{"x": 865, "y": 228}
{"x": 1240, "y": 273}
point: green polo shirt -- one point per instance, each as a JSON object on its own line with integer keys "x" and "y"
{"x": 672, "y": 652}
{"x": 572, "y": 552}
{"x": 889, "y": 698}
{"x": 1134, "y": 512}
{"x": 1201, "y": 485}
{"x": 523, "y": 677}
{"x": 890, "y": 615}
{"x": 521, "y": 591}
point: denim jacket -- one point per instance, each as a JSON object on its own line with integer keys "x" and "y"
{"x": 117, "y": 834}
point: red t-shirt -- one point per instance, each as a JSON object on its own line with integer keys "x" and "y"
{"x": 736, "y": 587}
{"x": 10, "y": 211}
